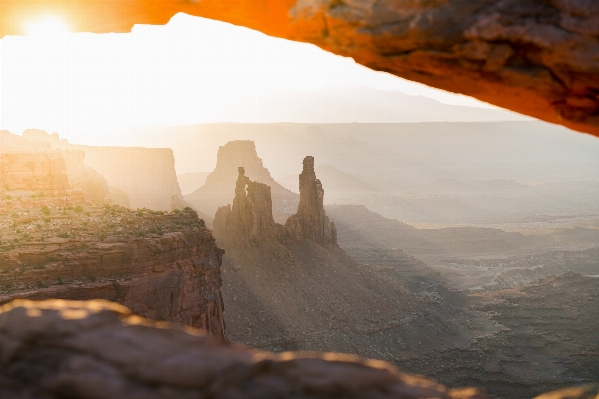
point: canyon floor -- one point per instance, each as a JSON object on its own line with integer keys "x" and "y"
{"x": 517, "y": 325}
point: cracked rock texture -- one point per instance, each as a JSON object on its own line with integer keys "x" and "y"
{"x": 539, "y": 58}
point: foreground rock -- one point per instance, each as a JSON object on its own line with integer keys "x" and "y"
{"x": 536, "y": 58}
{"x": 162, "y": 266}
{"x": 98, "y": 349}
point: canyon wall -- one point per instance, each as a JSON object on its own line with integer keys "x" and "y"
{"x": 219, "y": 188}
{"x": 162, "y": 266}
{"x": 35, "y": 177}
{"x": 146, "y": 175}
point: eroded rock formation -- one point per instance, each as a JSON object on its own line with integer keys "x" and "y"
{"x": 537, "y": 58}
{"x": 162, "y": 266}
{"x": 93, "y": 184}
{"x": 35, "y": 177}
{"x": 220, "y": 184}
{"x": 311, "y": 221}
{"x": 250, "y": 217}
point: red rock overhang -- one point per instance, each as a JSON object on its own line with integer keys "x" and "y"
{"x": 539, "y": 58}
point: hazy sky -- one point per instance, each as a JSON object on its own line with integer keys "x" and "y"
{"x": 190, "y": 71}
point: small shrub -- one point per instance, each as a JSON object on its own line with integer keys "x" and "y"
{"x": 59, "y": 279}
{"x": 102, "y": 237}
{"x": 8, "y": 197}
{"x": 92, "y": 279}
{"x": 64, "y": 235}
{"x": 176, "y": 211}
{"x": 15, "y": 215}
{"x": 39, "y": 284}
{"x": 46, "y": 210}
{"x": 78, "y": 208}
{"x": 47, "y": 220}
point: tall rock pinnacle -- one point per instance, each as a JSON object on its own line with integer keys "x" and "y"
{"x": 249, "y": 218}
{"x": 311, "y": 222}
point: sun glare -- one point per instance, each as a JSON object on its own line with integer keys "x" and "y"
{"x": 45, "y": 27}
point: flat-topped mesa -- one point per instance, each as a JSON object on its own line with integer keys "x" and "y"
{"x": 311, "y": 222}
{"x": 218, "y": 189}
{"x": 250, "y": 217}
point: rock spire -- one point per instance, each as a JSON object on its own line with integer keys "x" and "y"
{"x": 249, "y": 218}
{"x": 311, "y": 221}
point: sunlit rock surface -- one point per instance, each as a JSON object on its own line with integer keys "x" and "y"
{"x": 161, "y": 266}
{"x": 536, "y": 58}
{"x": 98, "y": 349}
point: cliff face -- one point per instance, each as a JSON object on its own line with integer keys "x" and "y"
{"x": 164, "y": 267}
{"x": 220, "y": 184}
{"x": 311, "y": 222}
{"x": 27, "y": 176}
{"x": 93, "y": 184}
{"x": 250, "y": 218}
{"x": 146, "y": 175}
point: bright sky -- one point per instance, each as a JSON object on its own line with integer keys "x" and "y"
{"x": 183, "y": 73}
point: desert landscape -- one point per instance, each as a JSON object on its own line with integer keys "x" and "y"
{"x": 236, "y": 200}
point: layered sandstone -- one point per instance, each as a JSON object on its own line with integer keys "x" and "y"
{"x": 534, "y": 57}
{"x": 250, "y": 218}
{"x": 311, "y": 221}
{"x": 146, "y": 175}
{"x": 35, "y": 177}
{"x": 93, "y": 184}
{"x": 220, "y": 184}
{"x": 161, "y": 266}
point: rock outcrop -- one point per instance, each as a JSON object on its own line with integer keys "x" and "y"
{"x": 220, "y": 184}
{"x": 535, "y": 57}
{"x": 311, "y": 221}
{"x": 161, "y": 266}
{"x": 250, "y": 218}
{"x": 38, "y": 177}
{"x": 93, "y": 184}
{"x": 98, "y": 349}
{"x": 146, "y": 175}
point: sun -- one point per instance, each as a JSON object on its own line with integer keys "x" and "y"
{"x": 45, "y": 27}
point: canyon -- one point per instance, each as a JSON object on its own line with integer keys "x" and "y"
{"x": 331, "y": 278}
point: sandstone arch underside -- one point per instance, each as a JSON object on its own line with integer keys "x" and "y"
{"x": 535, "y": 57}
